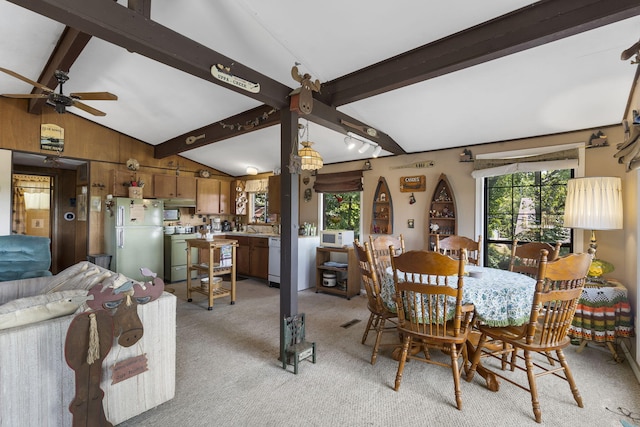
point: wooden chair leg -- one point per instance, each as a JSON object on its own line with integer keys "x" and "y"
{"x": 569, "y": 376}
{"x": 403, "y": 358}
{"x": 368, "y": 328}
{"x": 456, "y": 375}
{"x": 376, "y": 345}
{"x": 533, "y": 388}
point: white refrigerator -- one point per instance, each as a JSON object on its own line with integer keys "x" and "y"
{"x": 134, "y": 236}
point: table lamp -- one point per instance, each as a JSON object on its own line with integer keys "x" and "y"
{"x": 594, "y": 203}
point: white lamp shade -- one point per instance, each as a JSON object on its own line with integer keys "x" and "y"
{"x": 594, "y": 203}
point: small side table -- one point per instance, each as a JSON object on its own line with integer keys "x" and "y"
{"x": 603, "y": 315}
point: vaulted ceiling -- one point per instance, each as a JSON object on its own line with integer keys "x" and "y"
{"x": 424, "y": 75}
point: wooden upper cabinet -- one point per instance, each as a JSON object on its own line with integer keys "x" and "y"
{"x": 174, "y": 187}
{"x": 186, "y": 187}
{"x": 274, "y": 194}
{"x": 147, "y": 179}
{"x": 225, "y": 198}
{"x": 164, "y": 186}
{"x": 119, "y": 183}
{"x": 121, "y": 179}
{"x": 207, "y": 196}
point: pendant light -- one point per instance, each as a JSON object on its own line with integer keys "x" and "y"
{"x": 311, "y": 159}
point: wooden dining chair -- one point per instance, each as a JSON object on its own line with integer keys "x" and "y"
{"x": 379, "y": 313}
{"x": 452, "y": 245}
{"x": 430, "y": 311}
{"x": 525, "y": 257}
{"x": 558, "y": 289}
{"x": 380, "y": 250}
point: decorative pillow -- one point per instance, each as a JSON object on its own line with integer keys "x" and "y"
{"x": 37, "y": 308}
{"x": 83, "y": 275}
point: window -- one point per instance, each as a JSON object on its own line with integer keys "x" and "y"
{"x": 341, "y": 211}
{"x": 528, "y": 206}
{"x": 258, "y": 207}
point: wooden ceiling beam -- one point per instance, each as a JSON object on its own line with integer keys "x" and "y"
{"x": 131, "y": 30}
{"x": 530, "y": 26}
{"x": 71, "y": 43}
{"x": 248, "y": 121}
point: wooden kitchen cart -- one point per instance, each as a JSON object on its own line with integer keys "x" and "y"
{"x": 347, "y": 274}
{"x": 219, "y": 263}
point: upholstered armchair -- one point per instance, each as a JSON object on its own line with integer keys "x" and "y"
{"x": 24, "y": 257}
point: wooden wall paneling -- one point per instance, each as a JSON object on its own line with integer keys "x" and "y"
{"x": 18, "y": 129}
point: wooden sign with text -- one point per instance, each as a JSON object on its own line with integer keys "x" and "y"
{"x": 409, "y": 184}
{"x": 128, "y": 368}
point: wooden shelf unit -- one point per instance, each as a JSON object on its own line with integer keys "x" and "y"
{"x": 442, "y": 211}
{"x": 210, "y": 269}
{"x": 349, "y": 274}
{"x": 382, "y": 210}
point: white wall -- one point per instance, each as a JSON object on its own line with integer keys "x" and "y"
{"x": 5, "y": 192}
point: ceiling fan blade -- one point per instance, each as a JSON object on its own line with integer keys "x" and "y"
{"x": 88, "y": 109}
{"x": 94, "y": 96}
{"x": 24, "y": 79}
{"x": 26, "y": 95}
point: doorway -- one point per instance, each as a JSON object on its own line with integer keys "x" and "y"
{"x": 31, "y": 205}
{"x": 45, "y": 203}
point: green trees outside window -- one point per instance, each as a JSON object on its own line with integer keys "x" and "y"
{"x": 527, "y": 206}
{"x": 342, "y": 211}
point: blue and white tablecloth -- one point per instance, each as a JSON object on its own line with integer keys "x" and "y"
{"x": 501, "y": 298}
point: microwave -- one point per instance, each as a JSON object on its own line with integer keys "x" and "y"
{"x": 171, "y": 214}
{"x": 336, "y": 238}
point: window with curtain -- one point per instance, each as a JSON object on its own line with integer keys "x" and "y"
{"x": 341, "y": 196}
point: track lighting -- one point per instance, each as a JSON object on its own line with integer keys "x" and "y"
{"x": 350, "y": 142}
{"x": 351, "y": 139}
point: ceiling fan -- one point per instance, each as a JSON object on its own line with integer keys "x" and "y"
{"x": 59, "y": 100}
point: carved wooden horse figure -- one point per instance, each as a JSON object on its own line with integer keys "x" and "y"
{"x": 90, "y": 337}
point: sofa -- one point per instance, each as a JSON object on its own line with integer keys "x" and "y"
{"x": 37, "y": 385}
{"x": 23, "y": 257}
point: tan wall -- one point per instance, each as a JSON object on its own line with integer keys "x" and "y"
{"x": 618, "y": 246}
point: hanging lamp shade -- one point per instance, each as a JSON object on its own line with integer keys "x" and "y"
{"x": 311, "y": 159}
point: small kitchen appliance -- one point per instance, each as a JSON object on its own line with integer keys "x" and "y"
{"x": 226, "y": 225}
{"x": 216, "y": 227}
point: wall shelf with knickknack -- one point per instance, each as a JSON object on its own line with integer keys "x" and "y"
{"x": 443, "y": 217}
{"x": 382, "y": 215}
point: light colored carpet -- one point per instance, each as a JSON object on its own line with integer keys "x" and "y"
{"x": 228, "y": 374}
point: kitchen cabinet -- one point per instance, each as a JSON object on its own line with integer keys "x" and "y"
{"x": 174, "y": 187}
{"x": 347, "y": 274}
{"x": 242, "y": 255}
{"x": 213, "y": 196}
{"x": 120, "y": 180}
{"x": 274, "y": 194}
{"x": 443, "y": 219}
{"x": 259, "y": 257}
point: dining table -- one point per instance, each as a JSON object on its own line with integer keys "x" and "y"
{"x": 500, "y": 298}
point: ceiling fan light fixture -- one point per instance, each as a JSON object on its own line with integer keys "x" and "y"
{"x": 252, "y": 170}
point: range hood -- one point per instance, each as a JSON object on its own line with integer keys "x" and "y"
{"x": 179, "y": 203}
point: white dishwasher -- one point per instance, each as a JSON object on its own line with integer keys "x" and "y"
{"x": 274, "y": 261}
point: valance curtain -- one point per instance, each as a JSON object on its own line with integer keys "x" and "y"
{"x": 565, "y": 159}
{"x": 340, "y": 182}
{"x": 257, "y": 186}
